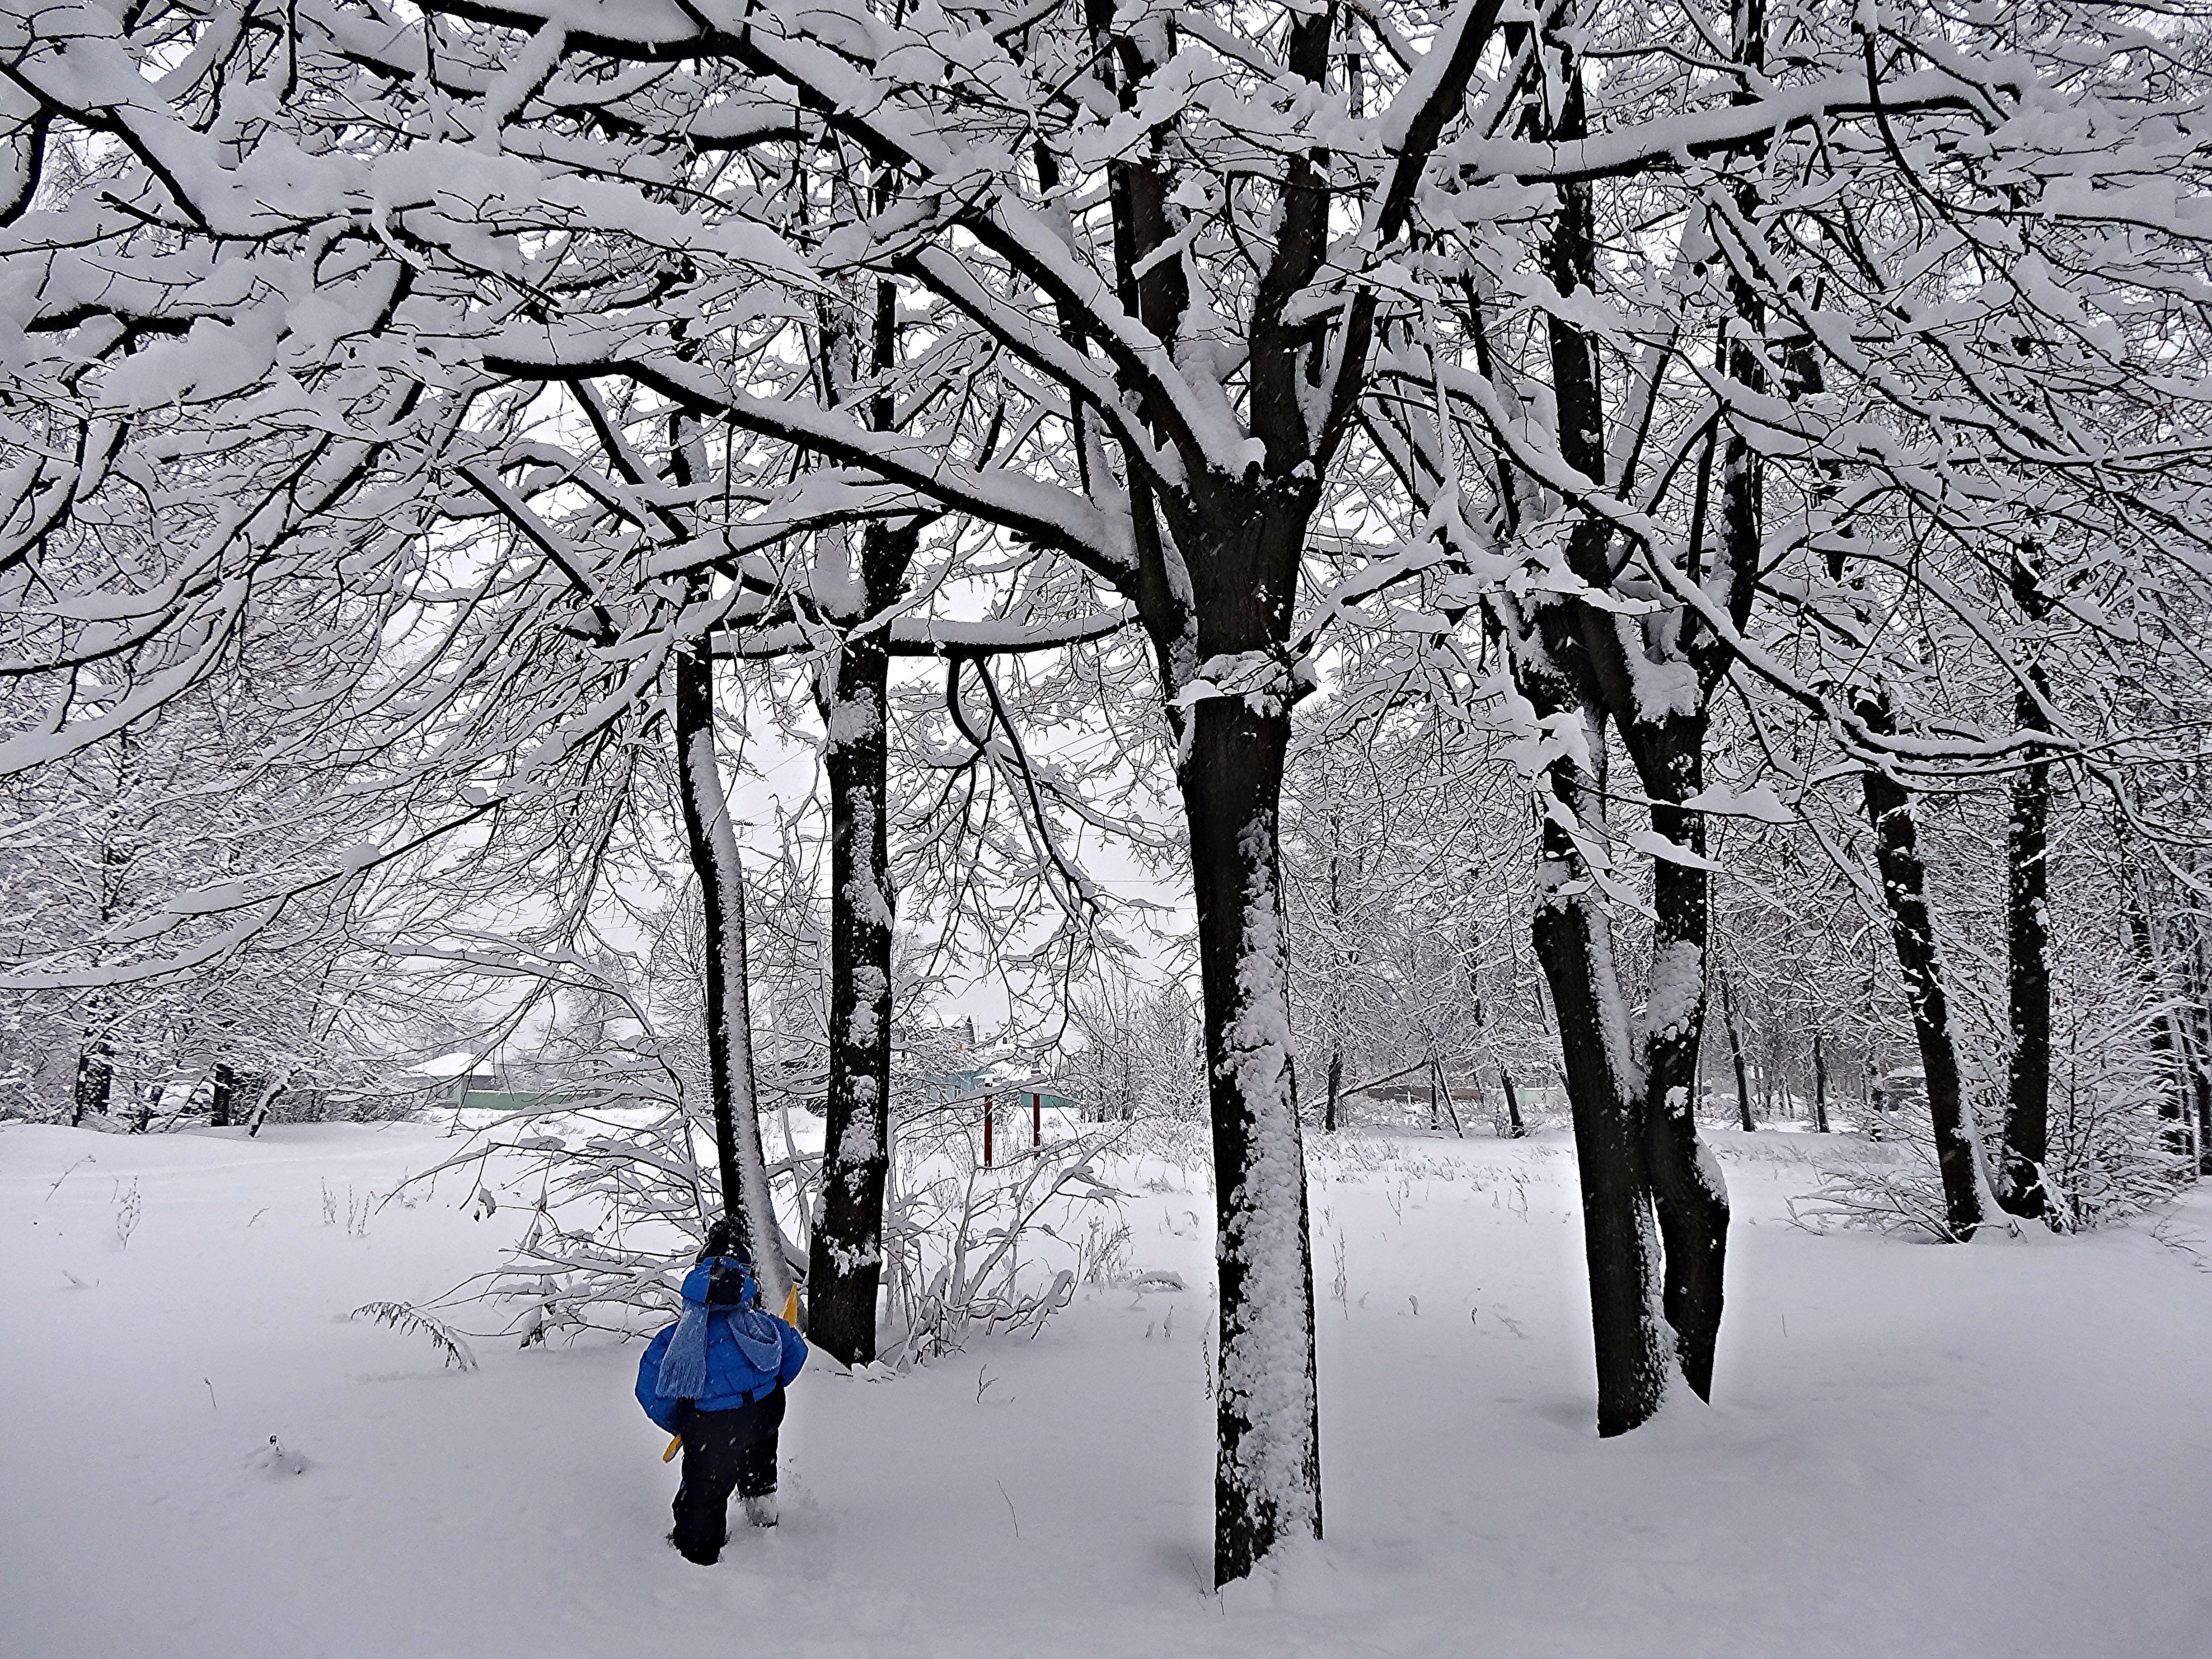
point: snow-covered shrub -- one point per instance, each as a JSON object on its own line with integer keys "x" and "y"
{"x": 617, "y": 1195}
{"x": 2112, "y": 1155}
{"x": 968, "y": 1249}
{"x": 1888, "y": 1185}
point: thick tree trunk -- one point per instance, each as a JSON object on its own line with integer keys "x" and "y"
{"x": 1574, "y": 942}
{"x": 1687, "y": 1188}
{"x": 845, "y": 1269}
{"x": 220, "y": 1089}
{"x": 2028, "y": 1113}
{"x": 712, "y": 843}
{"x": 95, "y": 1080}
{"x": 1905, "y": 889}
{"x": 1267, "y": 1471}
{"x": 1335, "y": 1087}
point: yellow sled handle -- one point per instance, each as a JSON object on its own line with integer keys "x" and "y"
{"x": 675, "y": 1445}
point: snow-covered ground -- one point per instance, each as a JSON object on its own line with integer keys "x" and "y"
{"x": 1997, "y": 1450}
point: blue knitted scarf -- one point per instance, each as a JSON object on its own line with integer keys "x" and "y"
{"x": 758, "y": 1337}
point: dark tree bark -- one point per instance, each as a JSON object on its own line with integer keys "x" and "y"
{"x": 1905, "y": 890}
{"x": 1735, "y": 1055}
{"x": 1215, "y": 584}
{"x": 1574, "y": 942}
{"x": 1603, "y": 659}
{"x": 1820, "y": 1084}
{"x": 1335, "y": 1087}
{"x": 2027, "y": 1115}
{"x": 274, "y": 1090}
{"x": 845, "y": 1266}
{"x": 1516, "y": 1128}
{"x": 1571, "y": 933}
{"x": 845, "y": 1269}
{"x": 95, "y": 1080}
{"x": 219, "y": 1093}
{"x": 1267, "y": 1477}
{"x": 1686, "y": 1188}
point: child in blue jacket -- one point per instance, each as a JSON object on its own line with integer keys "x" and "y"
{"x": 716, "y": 1377}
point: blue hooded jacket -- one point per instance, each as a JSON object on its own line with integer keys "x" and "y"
{"x": 748, "y": 1354}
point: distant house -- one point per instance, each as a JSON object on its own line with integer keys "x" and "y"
{"x": 480, "y": 1083}
{"x": 449, "y": 1080}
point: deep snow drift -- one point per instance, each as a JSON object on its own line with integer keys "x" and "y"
{"x": 1919, "y": 1451}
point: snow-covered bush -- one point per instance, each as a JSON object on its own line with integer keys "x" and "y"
{"x": 967, "y": 1249}
{"x": 1888, "y": 1185}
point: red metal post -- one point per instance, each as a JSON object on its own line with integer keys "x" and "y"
{"x": 1037, "y": 1121}
{"x": 987, "y": 1132}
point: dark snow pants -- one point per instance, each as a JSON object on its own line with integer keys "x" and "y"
{"x": 723, "y": 1452}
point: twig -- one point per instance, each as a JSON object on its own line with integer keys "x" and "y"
{"x": 402, "y": 1317}
{"x": 67, "y": 1173}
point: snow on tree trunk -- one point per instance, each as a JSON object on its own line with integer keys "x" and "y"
{"x": 1904, "y": 889}
{"x": 845, "y": 1266}
{"x": 1574, "y": 941}
{"x": 220, "y": 1089}
{"x": 1687, "y": 1187}
{"x": 274, "y": 1090}
{"x": 95, "y": 1079}
{"x": 711, "y": 840}
{"x": 1267, "y": 1471}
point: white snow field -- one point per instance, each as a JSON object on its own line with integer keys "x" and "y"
{"x": 2001, "y": 1449}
